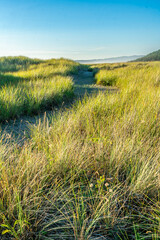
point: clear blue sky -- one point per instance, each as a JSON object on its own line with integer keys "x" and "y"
{"x": 79, "y": 29}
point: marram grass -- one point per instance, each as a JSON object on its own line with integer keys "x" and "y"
{"x": 94, "y": 172}
{"x": 40, "y": 87}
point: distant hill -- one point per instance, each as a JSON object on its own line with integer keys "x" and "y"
{"x": 154, "y": 56}
{"x": 110, "y": 60}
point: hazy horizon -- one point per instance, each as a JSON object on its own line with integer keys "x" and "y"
{"x": 92, "y": 59}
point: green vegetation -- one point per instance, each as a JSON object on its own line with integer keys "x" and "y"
{"x": 154, "y": 56}
{"x": 92, "y": 172}
{"x": 13, "y": 64}
{"x": 41, "y": 86}
{"x": 108, "y": 79}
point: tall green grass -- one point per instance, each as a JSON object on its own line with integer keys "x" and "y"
{"x": 39, "y": 87}
{"x": 13, "y": 64}
{"x": 93, "y": 172}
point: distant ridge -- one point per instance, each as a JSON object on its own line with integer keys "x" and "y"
{"x": 111, "y": 60}
{"x": 154, "y": 56}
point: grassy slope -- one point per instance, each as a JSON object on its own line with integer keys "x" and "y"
{"x": 95, "y": 171}
{"x": 154, "y": 56}
{"x": 13, "y": 64}
{"x": 40, "y": 85}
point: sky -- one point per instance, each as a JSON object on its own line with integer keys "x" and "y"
{"x": 79, "y": 29}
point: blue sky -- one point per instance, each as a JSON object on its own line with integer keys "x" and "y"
{"x": 79, "y": 29}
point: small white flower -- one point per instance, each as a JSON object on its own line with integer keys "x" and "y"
{"x": 106, "y": 184}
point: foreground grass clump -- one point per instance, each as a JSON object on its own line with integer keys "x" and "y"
{"x": 92, "y": 172}
{"x": 39, "y": 87}
{"x": 34, "y": 96}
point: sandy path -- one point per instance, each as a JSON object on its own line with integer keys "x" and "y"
{"x": 84, "y": 84}
{"x": 19, "y": 128}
